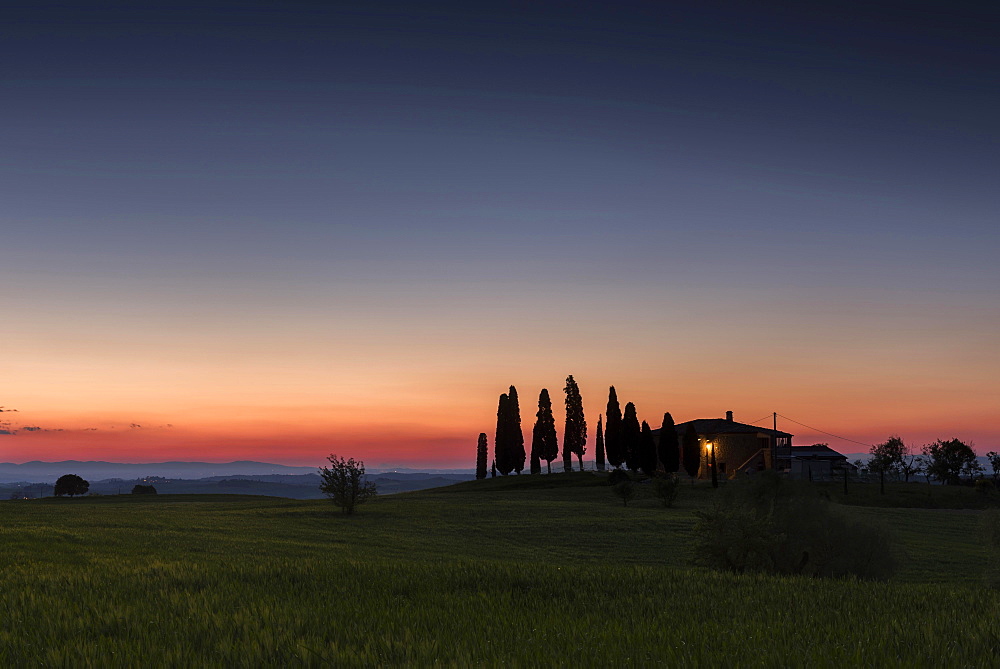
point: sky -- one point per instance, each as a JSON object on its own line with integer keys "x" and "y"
{"x": 272, "y": 231}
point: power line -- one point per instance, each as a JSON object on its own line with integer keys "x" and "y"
{"x": 754, "y": 422}
{"x": 825, "y": 432}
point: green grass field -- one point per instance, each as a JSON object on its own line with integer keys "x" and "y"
{"x": 523, "y": 571}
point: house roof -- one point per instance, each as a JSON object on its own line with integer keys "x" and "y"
{"x": 723, "y": 426}
{"x": 816, "y": 452}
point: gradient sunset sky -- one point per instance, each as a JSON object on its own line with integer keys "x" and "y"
{"x": 271, "y": 231}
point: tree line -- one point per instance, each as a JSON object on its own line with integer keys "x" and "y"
{"x": 621, "y": 440}
{"x": 947, "y": 461}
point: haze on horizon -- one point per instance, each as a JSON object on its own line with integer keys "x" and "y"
{"x": 261, "y": 231}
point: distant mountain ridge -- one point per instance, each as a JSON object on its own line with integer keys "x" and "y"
{"x": 97, "y": 469}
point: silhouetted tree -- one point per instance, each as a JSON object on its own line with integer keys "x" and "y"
{"x": 543, "y": 436}
{"x": 575, "y": 434}
{"x": 691, "y": 452}
{"x": 344, "y": 483}
{"x": 613, "y": 430}
{"x": 501, "y": 442}
{"x": 994, "y": 459}
{"x": 71, "y": 484}
{"x": 599, "y": 445}
{"x": 140, "y": 489}
{"x": 625, "y": 490}
{"x": 647, "y": 451}
{"x": 948, "y": 461}
{"x": 669, "y": 451}
{"x": 887, "y": 457}
{"x": 631, "y": 436}
{"x": 514, "y": 432}
{"x": 482, "y": 449}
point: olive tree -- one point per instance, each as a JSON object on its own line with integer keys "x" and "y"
{"x": 344, "y": 483}
{"x": 71, "y": 484}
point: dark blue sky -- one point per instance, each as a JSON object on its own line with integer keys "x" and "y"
{"x": 785, "y": 177}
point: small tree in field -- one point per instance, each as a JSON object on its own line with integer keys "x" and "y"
{"x": 666, "y": 488}
{"x": 625, "y": 490}
{"x": 994, "y": 459}
{"x": 948, "y": 461}
{"x": 140, "y": 489}
{"x": 344, "y": 483}
{"x": 71, "y": 484}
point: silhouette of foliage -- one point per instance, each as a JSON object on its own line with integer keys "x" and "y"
{"x": 599, "y": 445}
{"x": 631, "y": 438}
{"x": 770, "y": 524}
{"x": 482, "y": 449}
{"x": 501, "y": 443}
{"x": 613, "y": 430}
{"x": 544, "y": 441}
{"x": 71, "y": 484}
{"x": 666, "y": 488}
{"x": 888, "y": 456}
{"x": 669, "y": 451}
{"x": 647, "y": 450}
{"x": 140, "y": 489}
{"x": 344, "y": 483}
{"x": 948, "y": 461}
{"x": 514, "y": 432}
{"x": 617, "y": 476}
{"x": 691, "y": 453}
{"x": 625, "y": 490}
{"x": 575, "y": 434}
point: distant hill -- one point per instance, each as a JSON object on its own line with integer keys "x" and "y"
{"x": 48, "y": 472}
{"x": 295, "y": 486}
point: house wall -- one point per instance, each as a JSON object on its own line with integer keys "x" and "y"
{"x": 732, "y": 451}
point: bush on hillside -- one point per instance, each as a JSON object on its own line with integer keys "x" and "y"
{"x": 625, "y": 490}
{"x": 666, "y": 488}
{"x": 991, "y": 533}
{"x": 770, "y": 524}
{"x": 140, "y": 489}
{"x": 618, "y": 476}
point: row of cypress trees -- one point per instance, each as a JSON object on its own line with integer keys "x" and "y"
{"x": 622, "y": 439}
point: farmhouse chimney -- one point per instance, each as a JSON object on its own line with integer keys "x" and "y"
{"x": 729, "y": 416}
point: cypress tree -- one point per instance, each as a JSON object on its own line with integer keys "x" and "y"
{"x": 647, "y": 451}
{"x": 575, "y": 434}
{"x": 691, "y": 453}
{"x": 544, "y": 442}
{"x": 613, "y": 430}
{"x": 599, "y": 445}
{"x": 481, "y": 450}
{"x": 631, "y": 436}
{"x": 669, "y": 451}
{"x": 501, "y": 443}
{"x": 514, "y": 432}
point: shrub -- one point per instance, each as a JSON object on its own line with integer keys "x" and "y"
{"x": 140, "y": 489}
{"x": 666, "y": 489}
{"x": 618, "y": 476}
{"x": 625, "y": 490}
{"x": 983, "y": 486}
{"x": 991, "y": 533}
{"x": 344, "y": 483}
{"x": 71, "y": 484}
{"x": 774, "y": 525}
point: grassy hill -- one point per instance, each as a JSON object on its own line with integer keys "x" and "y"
{"x": 522, "y": 570}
